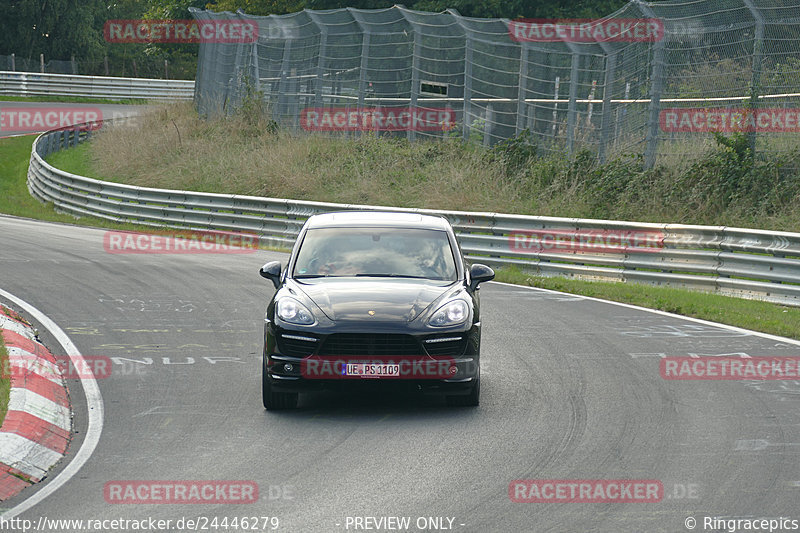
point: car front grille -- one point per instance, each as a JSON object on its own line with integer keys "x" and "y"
{"x": 373, "y": 344}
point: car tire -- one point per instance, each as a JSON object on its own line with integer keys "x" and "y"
{"x": 472, "y": 399}
{"x": 274, "y": 401}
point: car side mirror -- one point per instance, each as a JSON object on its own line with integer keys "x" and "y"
{"x": 272, "y": 271}
{"x": 479, "y": 273}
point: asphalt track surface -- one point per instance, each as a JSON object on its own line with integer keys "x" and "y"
{"x": 571, "y": 390}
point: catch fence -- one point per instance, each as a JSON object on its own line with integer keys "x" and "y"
{"x": 609, "y": 96}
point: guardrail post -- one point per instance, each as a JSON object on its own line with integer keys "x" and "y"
{"x": 13, "y": 62}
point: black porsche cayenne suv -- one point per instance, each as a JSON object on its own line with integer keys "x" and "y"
{"x": 377, "y": 299}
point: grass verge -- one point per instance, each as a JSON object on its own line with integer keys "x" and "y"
{"x": 750, "y": 314}
{"x": 15, "y": 153}
{"x": 15, "y": 199}
{"x": 248, "y": 153}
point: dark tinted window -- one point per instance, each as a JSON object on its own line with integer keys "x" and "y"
{"x": 400, "y": 252}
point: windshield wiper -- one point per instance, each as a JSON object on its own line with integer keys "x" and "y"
{"x": 390, "y": 276}
{"x": 308, "y": 276}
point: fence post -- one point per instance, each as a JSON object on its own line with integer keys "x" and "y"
{"x": 556, "y": 87}
{"x": 13, "y": 62}
{"x": 362, "y": 70}
{"x": 467, "y": 108}
{"x": 294, "y": 99}
{"x": 608, "y": 90}
{"x": 487, "y": 124}
{"x": 41, "y": 63}
{"x": 758, "y": 56}
{"x": 415, "y": 83}
{"x": 523, "y": 76}
{"x": 572, "y": 106}
{"x": 465, "y": 130}
{"x": 656, "y": 87}
{"x": 283, "y": 83}
{"x": 256, "y": 69}
{"x": 323, "y": 53}
{"x": 73, "y": 65}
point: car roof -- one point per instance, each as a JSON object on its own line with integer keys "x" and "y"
{"x": 377, "y": 219}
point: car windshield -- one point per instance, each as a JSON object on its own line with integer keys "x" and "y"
{"x": 375, "y": 252}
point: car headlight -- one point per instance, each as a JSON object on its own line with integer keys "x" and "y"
{"x": 292, "y": 311}
{"x": 450, "y": 314}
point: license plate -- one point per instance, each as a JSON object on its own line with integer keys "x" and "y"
{"x": 371, "y": 370}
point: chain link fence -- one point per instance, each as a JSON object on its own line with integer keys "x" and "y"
{"x": 719, "y": 61}
{"x": 147, "y": 67}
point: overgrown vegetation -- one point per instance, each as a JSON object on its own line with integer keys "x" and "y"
{"x": 15, "y": 199}
{"x": 248, "y": 154}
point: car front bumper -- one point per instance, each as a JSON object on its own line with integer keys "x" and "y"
{"x": 287, "y": 371}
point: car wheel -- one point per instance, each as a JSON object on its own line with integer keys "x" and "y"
{"x": 275, "y": 400}
{"x": 466, "y": 400}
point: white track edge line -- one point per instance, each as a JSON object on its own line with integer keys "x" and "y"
{"x": 94, "y": 404}
{"x": 659, "y": 312}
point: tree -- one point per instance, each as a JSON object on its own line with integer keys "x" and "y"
{"x": 471, "y": 8}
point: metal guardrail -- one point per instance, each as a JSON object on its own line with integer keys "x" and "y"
{"x": 34, "y": 84}
{"x": 747, "y": 263}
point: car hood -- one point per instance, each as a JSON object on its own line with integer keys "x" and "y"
{"x": 389, "y": 300}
